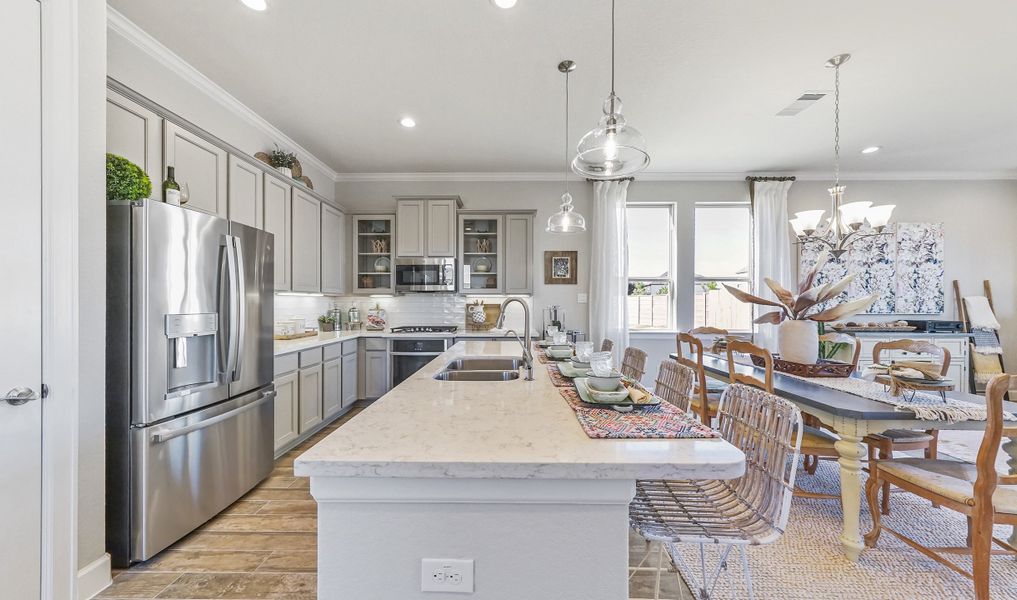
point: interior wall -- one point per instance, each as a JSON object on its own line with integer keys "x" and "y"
{"x": 91, "y": 504}
{"x": 138, "y": 70}
{"x": 544, "y": 197}
{"x": 978, "y": 219}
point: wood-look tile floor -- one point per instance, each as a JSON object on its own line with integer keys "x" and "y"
{"x": 264, "y": 547}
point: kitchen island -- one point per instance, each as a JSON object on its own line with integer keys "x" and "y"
{"x": 499, "y": 472}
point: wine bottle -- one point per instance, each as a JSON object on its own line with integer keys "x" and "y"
{"x": 170, "y": 188}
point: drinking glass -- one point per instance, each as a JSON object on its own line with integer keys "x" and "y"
{"x": 583, "y": 351}
{"x": 560, "y": 338}
{"x": 602, "y": 364}
{"x": 551, "y": 330}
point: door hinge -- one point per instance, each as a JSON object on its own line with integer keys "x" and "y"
{"x": 45, "y": 391}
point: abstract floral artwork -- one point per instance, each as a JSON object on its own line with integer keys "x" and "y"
{"x": 905, "y": 267}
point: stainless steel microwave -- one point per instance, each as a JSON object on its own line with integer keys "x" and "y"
{"x": 425, "y": 275}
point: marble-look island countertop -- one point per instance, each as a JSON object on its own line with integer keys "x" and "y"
{"x": 426, "y": 428}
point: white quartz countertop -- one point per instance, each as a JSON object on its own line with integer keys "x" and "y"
{"x": 427, "y": 428}
{"x": 282, "y": 347}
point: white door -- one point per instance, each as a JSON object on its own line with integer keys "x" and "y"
{"x": 20, "y": 301}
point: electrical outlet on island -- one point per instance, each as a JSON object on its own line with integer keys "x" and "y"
{"x": 446, "y": 575}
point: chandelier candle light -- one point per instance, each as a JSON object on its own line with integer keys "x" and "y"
{"x": 567, "y": 220}
{"x": 613, "y": 149}
{"x": 847, "y": 219}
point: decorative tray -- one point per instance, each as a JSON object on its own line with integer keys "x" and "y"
{"x": 582, "y": 388}
{"x": 567, "y": 369}
{"x": 824, "y": 368}
{"x": 875, "y": 329}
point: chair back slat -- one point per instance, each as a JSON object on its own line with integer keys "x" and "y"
{"x": 633, "y": 363}
{"x": 768, "y": 430}
{"x": 985, "y": 463}
{"x": 607, "y": 345}
{"x": 694, "y": 361}
{"x": 674, "y": 384}
{"x": 743, "y": 347}
{"x": 942, "y": 355}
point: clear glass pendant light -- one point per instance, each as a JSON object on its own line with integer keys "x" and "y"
{"x": 613, "y": 149}
{"x": 567, "y": 220}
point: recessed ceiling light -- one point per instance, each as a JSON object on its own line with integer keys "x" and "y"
{"x": 255, "y": 4}
{"x": 407, "y": 122}
{"x": 504, "y": 3}
{"x": 870, "y": 150}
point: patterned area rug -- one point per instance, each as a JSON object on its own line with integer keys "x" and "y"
{"x": 807, "y": 563}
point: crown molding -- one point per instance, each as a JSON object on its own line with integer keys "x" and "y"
{"x": 119, "y": 24}
{"x": 680, "y": 176}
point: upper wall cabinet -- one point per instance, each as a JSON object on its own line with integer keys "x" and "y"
{"x": 372, "y": 254}
{"x": 426, "y": 227}
{"x": 246, "y": 194}
{"x": 278, "y": 221}
{"x": 201, "y": 168}
{"x": 518, "y": 261}
{"x": 134, "y": 132}
{"x": 305, "y": 241}
{"x": 333, "y": 241}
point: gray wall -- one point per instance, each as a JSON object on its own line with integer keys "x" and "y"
{"x": 92, "y": 283}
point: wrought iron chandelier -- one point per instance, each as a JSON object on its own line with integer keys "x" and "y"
{"x": 846, "y": 221}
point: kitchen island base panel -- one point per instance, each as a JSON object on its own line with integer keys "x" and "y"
{"x": 529, "y": 538}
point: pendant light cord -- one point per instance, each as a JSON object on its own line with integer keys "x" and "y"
{"x": 566, "y": 172}
{"x": 612, "y": 47}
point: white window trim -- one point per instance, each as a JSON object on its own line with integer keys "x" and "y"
{"x": 672, "y": 279}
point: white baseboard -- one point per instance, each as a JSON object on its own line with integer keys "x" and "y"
{"x": 94, "y": 578}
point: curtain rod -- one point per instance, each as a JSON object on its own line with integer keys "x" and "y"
{"x": 753, "y": 178}
{"x": 619, "y": 179}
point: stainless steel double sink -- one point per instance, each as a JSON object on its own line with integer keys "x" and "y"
{"x": 481, "y": 369}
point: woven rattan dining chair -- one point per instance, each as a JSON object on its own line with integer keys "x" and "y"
{"x": 707, "y": 391}
{"x": 674, "y": 384}
{"x": 976, "y": 490}
{"x": 883, "y": 445}
{"x": 816, "y": 443}
{"x": 750, "y": 510}
{"x": 633, "y": 363}
{"x": 607, "y": 345}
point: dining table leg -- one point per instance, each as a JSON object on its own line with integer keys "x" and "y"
{"x": 1010, "y": 447}
{"x": 851, "y": 452}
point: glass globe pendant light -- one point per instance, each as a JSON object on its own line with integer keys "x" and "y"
{"x": 567, "y": 220}
{"x": 613, "y": 149}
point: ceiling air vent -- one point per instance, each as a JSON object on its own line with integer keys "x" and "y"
{"x": 804, "y": 101}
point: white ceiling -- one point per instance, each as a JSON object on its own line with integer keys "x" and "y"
{"x": 931, "y": 81}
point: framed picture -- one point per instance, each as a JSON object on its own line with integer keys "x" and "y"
{"x": 560, "y": 266}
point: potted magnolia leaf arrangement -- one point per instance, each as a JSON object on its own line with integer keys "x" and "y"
{"x": 797, "y": 318}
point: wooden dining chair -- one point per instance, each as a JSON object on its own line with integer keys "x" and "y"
{"x": 817, "y": 444}
{"x": 607, "y": 345}
{"x": 975, "y": 490}
{"x": 633, "y": 363}
{"x": 674, "y": 384}
{"x": 885, "y": 444}
{"x": 704, "y": 400}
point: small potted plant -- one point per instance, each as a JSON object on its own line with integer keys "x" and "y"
{"x": 125, "y": 180}
{"x": 282, "y": 161}
{"x": 326, "y": 323}
{"x": 798, "y": 333}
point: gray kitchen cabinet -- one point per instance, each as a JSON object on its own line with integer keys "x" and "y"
{"x": 201, "y": 168}
{"x": 135, "y": 133}
{"x": 373, "y": 253}
{"x": 517, "y": 264}
{"x": 411, "y": 217}
{"x": 277, "y": 221}
{"x": 310, "y": 390}
{"x": 441, "y": 227}
{"x": 375, "y": 372}
{"x": 331, "y": 396}
{"x": 305, "y": 241}
{"x": 349, "y": 380}
{"x": 246, "y": 193}
{"x": 287, "y": 423}
{"x": 333, "y": 224}
{"x": 481, "y": 253}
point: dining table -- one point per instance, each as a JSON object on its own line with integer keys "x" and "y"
{"x": 852, "y": 417}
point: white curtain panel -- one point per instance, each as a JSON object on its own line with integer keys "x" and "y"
{"x": 772, "y": 250}
{"x": 609, "y": 287}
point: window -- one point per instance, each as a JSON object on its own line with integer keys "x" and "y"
{"x": 723, "y": 256}
{"x": 651, "y": 265}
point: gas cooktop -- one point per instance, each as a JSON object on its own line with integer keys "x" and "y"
{"x": 426, "y": 329}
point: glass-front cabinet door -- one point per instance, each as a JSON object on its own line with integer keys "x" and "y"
{"x": 481, "y": 255}
{"x": 374, "y": 236}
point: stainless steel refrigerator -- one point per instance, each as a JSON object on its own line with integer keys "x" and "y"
{"x": 189, "y": 395}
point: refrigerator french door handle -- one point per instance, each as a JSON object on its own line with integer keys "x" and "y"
{"x": 231, "y": 304}
{"x": 241, "y": 308}
{"x": 168, "y": 434}
{"x": 225, "y": 336}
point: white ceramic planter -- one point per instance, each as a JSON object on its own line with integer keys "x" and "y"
{"x": 288, "y": 172}
{"x": 798, "y": 341}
